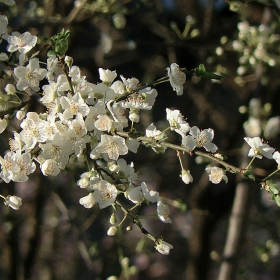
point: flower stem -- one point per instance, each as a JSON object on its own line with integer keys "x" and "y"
{"x": 275, "y": 171}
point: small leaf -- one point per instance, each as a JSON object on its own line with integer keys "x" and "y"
{"x": 249, "y": 174}
{"x": 202, "y": 73}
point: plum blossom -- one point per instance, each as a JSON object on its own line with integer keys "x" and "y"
{"x": 22, "y": 43}
{"x": 149, "y": 195}
{"x": 163, "y": 211}
{"x": 176, "y": 77}
{"x": 103, "y": 123}
{"x": 112, "y": 145}
{"x": 276, "y": 157}
{"x": 107, "y": 76}
{"x": 87, "y": 201}
{"x": 50, "y": 168}
{"x": 30, "y": 75}
{"x": 216, "y": 174}
{"x": 105, "y": 194}
{"x": 33, "y": 130}
{"x": 134, "y": 194}
{"x": 177, "y": 122}
{"x": 131, "y": 84}
{"x": 258, "y": 148}
{"x": 73, "y": 105}
{"x": 16, "y": 166}
{"x": 200, "y": 139}
{"x": 163, "y": 247}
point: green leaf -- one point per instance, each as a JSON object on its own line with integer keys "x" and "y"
{"x": 249, "y": 174}
{"x": 202, "y": 73}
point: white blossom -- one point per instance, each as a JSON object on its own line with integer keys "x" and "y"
{"x": 134, "y": 194}
{"x": 276, "y": 157}
{"x": 30, "y": 75}
{"x": 258, "y": 148}
{"x": 131, "y": 84}
{"x": 50, "y": 168}
{"x": 107, "y": 76}
{"x": 73, "y": 105}
{"x": 126, "y": 172}
{"x": 34, "y": 130}
{"x": 149, "y": 195}
{"x": 22, "y": 43}
{"x": 272, "y": 127}
{"x": 16, "y": 166}
{"x": 102, "y": 91}
{"x": 103, "y": 123}
{"x": 132, "y": 144}
{"x": 177, "y": 122}
{"x": 252, "y": 127}
{"x": 176, "y": 77}
{"x": 163, "y": 211}
{"x": 105, "y": 194}
{"x": 200, "y": 139}
{"x": 118, "y": 87}
{"x": 112, "y": 145}
{"x": 163, "y": 247}
{"x": 87, "y": 201}
{"x": 216, "y": 174}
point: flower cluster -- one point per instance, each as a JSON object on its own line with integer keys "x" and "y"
{"x": 95, "y": 124}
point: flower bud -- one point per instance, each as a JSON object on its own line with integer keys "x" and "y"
{"x": 83, "y": 183}
{"x": 50, "y": 167}
{"x": 13, "y": 202}
{"x": 20, "y": 115}
{"x": 134, "y": 117}
{"x": 129, "y": 228}
{"x": 10, "y": 89}
{"x": 186, "y": 176}
{"x": 113, "y": 219}
{"x": 68, "y": 60}
{"x": 94, "y": 154}
{"x": 112, "y": 231}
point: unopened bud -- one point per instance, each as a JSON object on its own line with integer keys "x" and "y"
{"x": 113, "y": 219}
{"x": 112, "y": 231}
